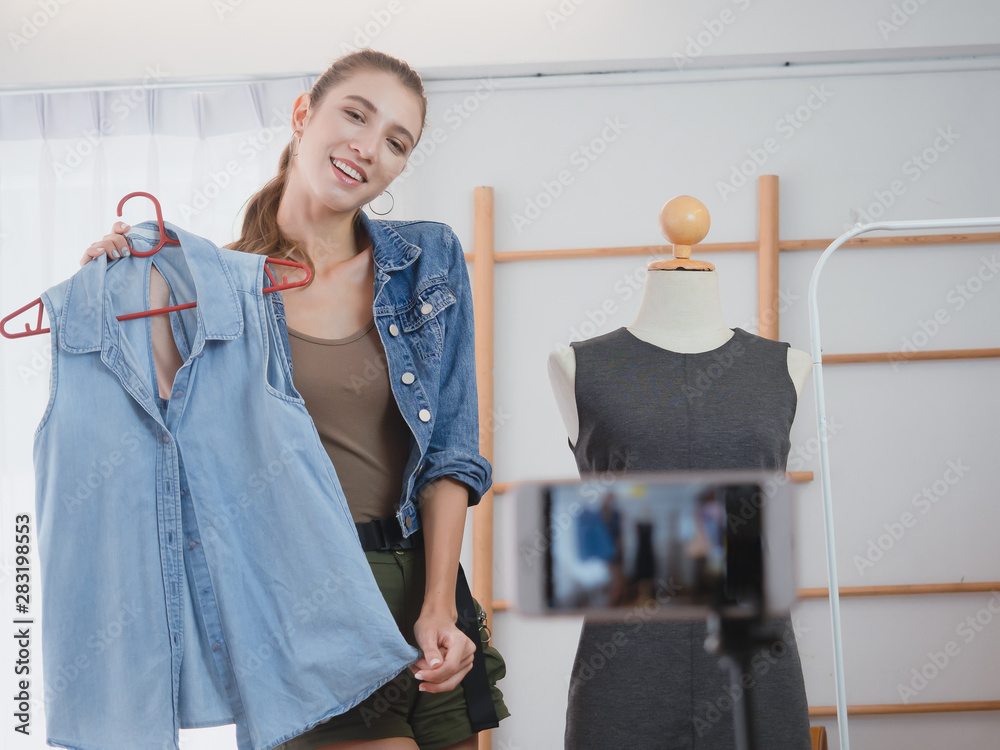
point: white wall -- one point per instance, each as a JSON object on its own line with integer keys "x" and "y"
{"x": 897, "y": 428}
{"x": 685, "y": 132}
{"x": 65, "y": 41}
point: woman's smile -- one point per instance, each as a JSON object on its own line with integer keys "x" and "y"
{"x": 346, "y": 173}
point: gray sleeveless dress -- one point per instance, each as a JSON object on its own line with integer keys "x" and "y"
{"x": 652, "y": 685}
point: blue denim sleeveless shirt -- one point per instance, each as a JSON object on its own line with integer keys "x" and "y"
{"x": 199, "y": 564}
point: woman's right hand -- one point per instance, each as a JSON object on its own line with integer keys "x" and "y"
{"x": 113, "y": 245}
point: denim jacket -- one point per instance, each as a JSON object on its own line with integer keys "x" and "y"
{"x": 423, "y": 312}
{"x": 199, "y": 564}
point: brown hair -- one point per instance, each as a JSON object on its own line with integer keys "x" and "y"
{"x": 260, "y": 232}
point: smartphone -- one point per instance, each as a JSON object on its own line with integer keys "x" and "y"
{"x": 660, "y": 545}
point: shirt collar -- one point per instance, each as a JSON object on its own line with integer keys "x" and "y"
{"x": 202, "y": 276}
{"x": 390, "y": 251}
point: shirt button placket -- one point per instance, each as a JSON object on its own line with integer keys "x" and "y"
{"x": 175, "y": 501}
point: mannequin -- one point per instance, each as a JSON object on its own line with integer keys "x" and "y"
{"x": 679, "y": 311}
{"x": 680, "y": 314}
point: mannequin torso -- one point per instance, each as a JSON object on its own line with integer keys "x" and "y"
{"x": 679, "y": 312}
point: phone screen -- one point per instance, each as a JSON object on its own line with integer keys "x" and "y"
{"x": 626, "y": 543}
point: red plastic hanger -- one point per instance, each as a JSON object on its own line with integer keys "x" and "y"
{"x": 164, "y": 240}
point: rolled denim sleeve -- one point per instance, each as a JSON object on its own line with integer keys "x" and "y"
{"x": 454, "y": 445}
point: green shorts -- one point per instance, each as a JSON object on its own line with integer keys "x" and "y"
{"x": 398, "y": 709}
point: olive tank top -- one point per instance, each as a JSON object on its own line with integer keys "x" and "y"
{"x": 345, "y": 385}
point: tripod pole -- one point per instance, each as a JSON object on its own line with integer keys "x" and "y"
{"x": 743, "y": 724}
{"x": 734, "y": 642}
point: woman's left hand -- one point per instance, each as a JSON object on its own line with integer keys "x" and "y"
{"x": 447, "y": 656}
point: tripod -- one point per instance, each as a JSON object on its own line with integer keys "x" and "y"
{"x": 735, "y": 640}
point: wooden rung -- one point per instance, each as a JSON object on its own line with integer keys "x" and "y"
{"x": 913, "y": 589}
{"x": 840, "y": 359}
{"x": 914, "y": 240}
{"x": 911, "y": 240}
{"x": 904, "y": 589}
{"x": 907, "y": 708}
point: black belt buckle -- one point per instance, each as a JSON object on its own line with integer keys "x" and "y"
{"x": 384, "y": 534}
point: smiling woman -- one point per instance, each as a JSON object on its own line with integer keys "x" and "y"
{"x": 399, "y": 294}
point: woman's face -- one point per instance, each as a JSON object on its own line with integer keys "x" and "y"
{"x": 367, "y": 125}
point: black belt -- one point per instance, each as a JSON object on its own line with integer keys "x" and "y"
{"x": 385, "y": 534}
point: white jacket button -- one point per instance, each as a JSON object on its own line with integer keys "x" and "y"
{"x": 393, "y": 329}
{"x": 425, "y": 416}
{"x": 407, "y": 377}
{"x": 426, "y": 308}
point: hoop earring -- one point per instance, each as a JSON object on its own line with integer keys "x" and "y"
{"x": 290, "y": 150}
{"x": 383, "y": 213}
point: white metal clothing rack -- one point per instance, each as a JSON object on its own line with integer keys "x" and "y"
{"x": 817, "y": 354}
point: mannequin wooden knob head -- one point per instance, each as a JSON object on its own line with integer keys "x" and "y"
{"x": 684, "y": 221}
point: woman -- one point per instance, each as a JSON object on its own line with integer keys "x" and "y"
{"x": 353, "y": 133}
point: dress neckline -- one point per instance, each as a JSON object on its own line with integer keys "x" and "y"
{"x": 736, "y": 332}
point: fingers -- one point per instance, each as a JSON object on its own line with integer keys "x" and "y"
{"x": 112, "y": 245}
{"x": 444, "y": 685}
{"x": 433, "y": 657}
{"x": 458, "y": 652}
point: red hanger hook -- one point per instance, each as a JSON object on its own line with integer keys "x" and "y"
{"x": 164, "y": 239}
{"x": 28, "y": 330}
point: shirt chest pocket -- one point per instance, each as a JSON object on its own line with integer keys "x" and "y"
{"x": 421, "y": 320}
